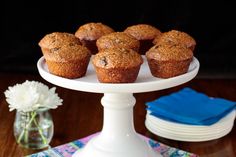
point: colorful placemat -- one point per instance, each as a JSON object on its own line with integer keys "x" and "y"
{"x": 68, "y": 149}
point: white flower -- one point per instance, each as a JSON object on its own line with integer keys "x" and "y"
{"x": 30, "y": 96}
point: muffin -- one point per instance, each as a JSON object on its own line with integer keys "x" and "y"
{"x": 167, "y": 61}
{"x": 90, "y": 32}
{"x": 175, "y": 37}
{"x": 65, "y": 57}
{"x": 117, "y": 39}
{"x": 58, "y": 39}
{"x": 145, "y": 34}
{"x": 117, "y": 65}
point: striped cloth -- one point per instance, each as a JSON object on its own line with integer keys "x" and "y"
{"x": 68, "y": 149}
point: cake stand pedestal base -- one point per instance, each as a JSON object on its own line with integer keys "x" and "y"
{"x": 118, "y": 137}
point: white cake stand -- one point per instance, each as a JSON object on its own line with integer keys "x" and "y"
{"x": 118, "y": 137}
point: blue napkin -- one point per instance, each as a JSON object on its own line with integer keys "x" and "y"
{"x": 190, "y": 107}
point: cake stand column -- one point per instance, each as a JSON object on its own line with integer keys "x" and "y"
{"x": 118, "y": 137}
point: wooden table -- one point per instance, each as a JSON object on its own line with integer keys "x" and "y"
{"x": 81, "y": 115}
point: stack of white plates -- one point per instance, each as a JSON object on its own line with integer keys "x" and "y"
{"x": 193, "y": 133}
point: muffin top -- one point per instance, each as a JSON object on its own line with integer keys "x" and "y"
{"x": 117, "y": 58}
{"x": 58, "y": 39}
{"x": 169, "y": 53}
{"x": 143, "y": 32}
{"x": 67, "y": 53}
{"x": 92, "y": 31}
{"x": 117, "y": 39}
{"x": 175, "y": 37}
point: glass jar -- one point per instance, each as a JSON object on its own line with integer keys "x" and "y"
{"x": 33, "y": 129}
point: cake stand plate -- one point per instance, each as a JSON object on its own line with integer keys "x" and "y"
{"x": 118, "y": 137}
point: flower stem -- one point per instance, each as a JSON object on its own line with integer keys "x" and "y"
{"x": 27, "y": 127}
{"x": 26, "y": 135}
{"x": 40, "y": 131}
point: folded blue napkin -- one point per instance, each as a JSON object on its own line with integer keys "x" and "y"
{"x": 190, "y": 107}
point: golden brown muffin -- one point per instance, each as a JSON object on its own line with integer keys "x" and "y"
{"x": 58, "y": 39}
{"x": 167, "y": 61}
{"x": 117, "y": 39}
{"x": 90, "y": 32}
{"x": 64, "y": 56}
{"x": 175, "y": 37}
{"x": 117, "y": 65}
{"x": 145, "y": 34}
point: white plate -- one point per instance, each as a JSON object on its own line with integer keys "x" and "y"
{"x": 189, "y": 133}
{"x": 195, "y": 132}
{"x": 226, "y": 121}
{"x": 190, "y": 138}
{"x": 180, "y": 134}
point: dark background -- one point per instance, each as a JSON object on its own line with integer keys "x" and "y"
{"x": 212, "y": 24}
